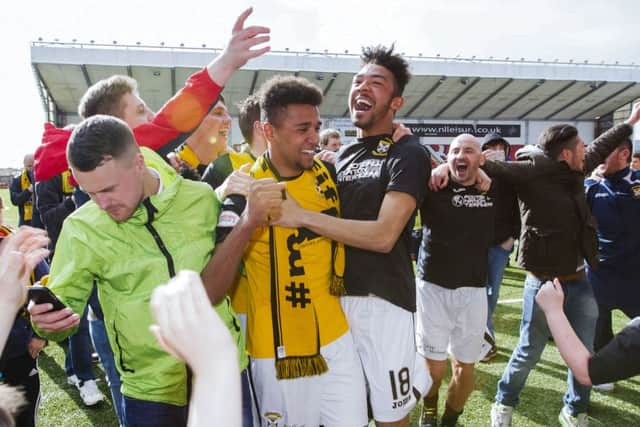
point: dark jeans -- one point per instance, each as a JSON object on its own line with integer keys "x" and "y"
{"x": 22, "y": 372}
{"x": 101, "y": 344}
{"x": 142, "y": 413}
{"x": 497, "y": 262}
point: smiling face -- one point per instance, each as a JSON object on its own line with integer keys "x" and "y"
{"x": 464, "y": 159}
{"x": 293, "y": 140}
{"x": 372, "y": 103}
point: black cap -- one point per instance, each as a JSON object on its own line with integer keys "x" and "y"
{"x": 492, "y": 138}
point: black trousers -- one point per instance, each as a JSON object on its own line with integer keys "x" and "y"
{"x": 22, "y": 372}
{"x": 604, "y": 327}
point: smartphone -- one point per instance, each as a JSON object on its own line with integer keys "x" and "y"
{"x": 42, "y": 295}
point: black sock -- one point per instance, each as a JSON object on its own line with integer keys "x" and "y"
{"x": 450, "y": 416}
{"x": 430, "y": 405}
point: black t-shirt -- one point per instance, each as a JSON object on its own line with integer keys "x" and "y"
{"x": 367, "y": 170}
{"x": 620, "y": 358}
{"x": 458, "y": 229}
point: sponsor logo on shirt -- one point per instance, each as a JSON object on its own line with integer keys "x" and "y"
{"x": 635, "y": 190}
{"x": 471, "y": 201}
{"x": 369, "y": 168}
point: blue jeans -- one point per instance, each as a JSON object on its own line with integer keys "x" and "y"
{"x": 79, "y": 361}
{"x": 101, "y": 344}
{"x": 498, "y": 260}
{"x": 581, "y": 310}
{"x": 142, "y": 413}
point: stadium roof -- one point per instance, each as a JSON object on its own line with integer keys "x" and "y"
{"x": 441, "y": 88}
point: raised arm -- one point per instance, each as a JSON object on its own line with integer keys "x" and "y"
{"x": 19, "y": 255}
{"x": 187, "y": 327}
{"x": 598, "y": 150}
{"x": 182, "y": 114}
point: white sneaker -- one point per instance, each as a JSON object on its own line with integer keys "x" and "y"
{"x": 73, "y": 380}
{"x": 604, "y": 387}
{"x": 568, "y": 420}
{"x": 89, "y": 392}
{"x": 501, "y": 415}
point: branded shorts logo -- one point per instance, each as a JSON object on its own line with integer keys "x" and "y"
{"x": 272, "y": 418}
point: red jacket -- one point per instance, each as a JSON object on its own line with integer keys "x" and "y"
{"x": 171, "y": 125}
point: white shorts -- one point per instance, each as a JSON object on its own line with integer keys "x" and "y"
{"x": 385, "y": 341}
{"x": 450, "y": 320}
{"x": 335, "y": 398}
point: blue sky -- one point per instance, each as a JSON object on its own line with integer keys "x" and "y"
{"x": 547, "y": 29}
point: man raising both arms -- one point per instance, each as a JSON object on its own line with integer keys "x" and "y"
{"x": 380, "y": 184}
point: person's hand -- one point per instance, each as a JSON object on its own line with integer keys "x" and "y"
{"x": 495, "y": 155}
{"x": 439, "y": 177}
{"x": 634, "y": 117}
{"x": 550, "y": 296}
{"x": 238, "y": 182}
{"x": 483, "y": 182}
{"x": 239, "y": 49}
{"x": 507, "y": 245}
{"x": 598, "y": 173}
{"x": 52, "y": 321}
{"x": 31, "y": 188}
{"x": 264, "y": 201}
{"x": 400, "y": 130}
{"x": 186, "y": 325}
{"x": 36, "y": 345}
{"x": 327, "y": 156}
{"x": 19, "y": 254}
{"x": 291, "y": 215}
{"x": 174, "y": 161}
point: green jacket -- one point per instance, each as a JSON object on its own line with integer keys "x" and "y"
{"x": 127, "y": 263}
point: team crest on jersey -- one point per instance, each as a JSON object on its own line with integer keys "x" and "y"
{"x": 635, "y": 190}
{"x": 383, "y": 147}
{"x": 272, "y": 418}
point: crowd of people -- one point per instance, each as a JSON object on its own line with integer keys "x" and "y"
{"x": 290, "y": 295}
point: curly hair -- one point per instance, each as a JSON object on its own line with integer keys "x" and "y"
{"x": 395, "y": 63}
{"x": 280, "y": 91}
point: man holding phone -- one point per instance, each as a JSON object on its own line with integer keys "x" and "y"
{"x": 133, "y": 236}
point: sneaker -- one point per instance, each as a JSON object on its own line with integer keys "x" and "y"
{"x": 501, "y": 415}
{"x": 428, "y": 418}
{"x": 73, "y": 380}
{"x": 89, "y": 392}
{"x": 568, "y": 420}
{"x": 604, "y": 387}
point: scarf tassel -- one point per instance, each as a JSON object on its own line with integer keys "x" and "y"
{"x": 300, "y": 366}
{"x": 336, "y": 287}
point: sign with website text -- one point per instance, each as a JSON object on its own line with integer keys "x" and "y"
{"x": 455, "y": 129}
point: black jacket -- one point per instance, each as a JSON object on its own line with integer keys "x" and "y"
{"x": 54, "y": 206}
{"x": 558, "y": 230}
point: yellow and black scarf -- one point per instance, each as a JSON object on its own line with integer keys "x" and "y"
{"x": 25, "y": 182}
{"x": 298, "y": 273}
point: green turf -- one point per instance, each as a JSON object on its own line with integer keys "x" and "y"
{"x": 540, "y": 404}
